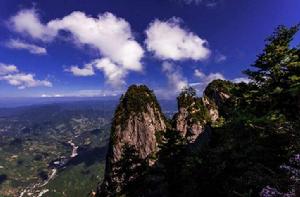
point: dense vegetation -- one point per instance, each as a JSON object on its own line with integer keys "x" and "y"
{"x": 196, "y": 109}
{"x": 255, "y": 151}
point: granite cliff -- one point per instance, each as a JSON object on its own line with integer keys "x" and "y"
{"x": 137, "y": 120}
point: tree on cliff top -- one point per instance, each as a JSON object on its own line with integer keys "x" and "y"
{"x": 277, "y": 73}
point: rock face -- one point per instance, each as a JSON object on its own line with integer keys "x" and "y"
{"x": 186, "y": 126}
{"x": 212, "y": 108}
{"x": 195, "y": 113}
{"x": 137, "y": 120}
{"x": 139, "y": 131}
{"x": 192, "y": 115}
{"x": 181, "y": 123}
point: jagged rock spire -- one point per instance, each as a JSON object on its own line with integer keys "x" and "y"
{"x": 136, "y": 122}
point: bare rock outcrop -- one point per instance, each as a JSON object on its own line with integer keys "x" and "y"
{"x": 137, "y": 120}
{"x": 192, "y": 115}
{"x": 139, "y": 130}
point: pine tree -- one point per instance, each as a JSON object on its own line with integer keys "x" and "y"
{"x": 277, "y": 73}
{"x": 130, "y": 171}
{"x": 171, "y": 157}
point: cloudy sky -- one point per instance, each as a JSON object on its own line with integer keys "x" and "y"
{"x": 99, "y": 48}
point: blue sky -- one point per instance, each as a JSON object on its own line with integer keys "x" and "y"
{"x": 98, "y": 48}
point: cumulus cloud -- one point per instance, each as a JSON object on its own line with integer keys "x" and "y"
{"x": 14, "y": 77}
{"x": 86, "y": 70}
{"x": 27, "y": 21}
{"x": 175, "y": 78}
{"x": 198, "y": 73}
{"x": 23, "y": 80}
{"x": 7, "y": 69}
{"x": 210, "y": 77}
{"x": 108, "y": 33}
{"x": 167, "y": 40}
{"x": 18, "y": 44}
{"x": 114, "y": 74}
{"x": 111, "y": 35}
{"x": 204, "y": 79}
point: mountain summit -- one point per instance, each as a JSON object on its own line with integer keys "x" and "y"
{"x": 137, "y": 120}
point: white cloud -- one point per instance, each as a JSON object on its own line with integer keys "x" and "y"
{"x": 23, "y": 80}
{"x": 18, "y": 44}
{"x": 204, "y": 79}
{"x": 208, "y": 78}
{"x": 87, "y": 70}
{"x": 241, "y": 79}
{"x": 45, "y": 95}
{"x": 175, "y": 78}
{"x": 51, "y": 95}
{"x": 28, "y": 21}
{"x": 7, "y": 69}
{"x": 213, "y": 76}
{"x": 198, "y": 73}
{"x": 109, "y": 34}
{"x": 170, "y": 41}
{"x": 14, "y": 77}
{"x": 114, "y": 74}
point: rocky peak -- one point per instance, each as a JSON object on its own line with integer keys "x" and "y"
{"x": 216, "y": 95}
{"x": 192, "y": 115}
{"x": 218, "y": 91}
{"x": 195, "y": 112}
{"x": 137, "y": 120}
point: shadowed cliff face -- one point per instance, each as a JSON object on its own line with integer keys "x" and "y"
{"x": 137, "y": 120}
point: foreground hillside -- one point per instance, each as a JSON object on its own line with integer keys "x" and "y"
{"x": 236, "y": 140}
